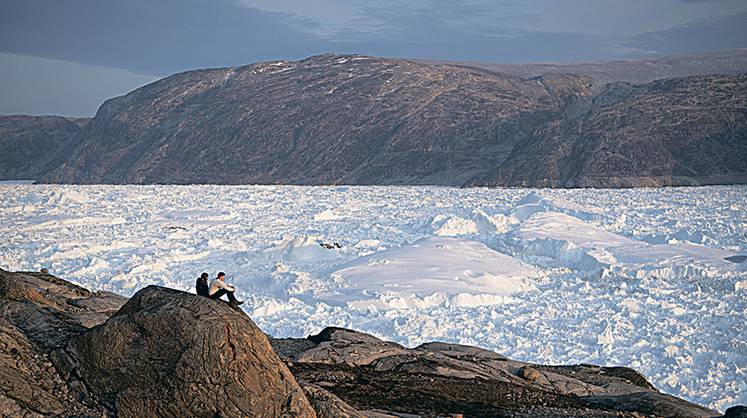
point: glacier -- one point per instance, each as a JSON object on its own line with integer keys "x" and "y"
{"x": 654, "y": 279}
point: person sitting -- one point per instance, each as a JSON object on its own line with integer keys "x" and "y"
{"x": 219, "y": 287}
{"x": 201, "y": 287}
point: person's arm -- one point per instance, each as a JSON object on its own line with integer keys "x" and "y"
{"x": 223, "y": 285}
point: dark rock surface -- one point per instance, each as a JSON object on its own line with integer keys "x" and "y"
{"x": 65, "y": 351}
{"x": 328, "y": 405}
{"x": 736, "y": 412}
{"x": 162, "y": 354}
{"x": 39, "y": 313}
{"x": 439, "y": 379}
{"x": 32, "y": 145}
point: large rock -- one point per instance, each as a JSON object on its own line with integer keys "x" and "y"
{"x": 653, "y": 403}
{"x": 439, "y": 379}
{"x": 39, "y": 313}
{"x": 328, "y": 405}
{"x": 739, "y": 411}
{"x": 64, "y": 352}
{"x": 176, "y": 354}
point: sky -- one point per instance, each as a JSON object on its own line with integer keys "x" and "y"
{"x": 67, "y": 56}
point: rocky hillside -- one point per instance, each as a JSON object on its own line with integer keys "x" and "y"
{"x": 686, "y": 131}
{"x": 30, "y": 144}
{"x": 326, "y": 120}
{"x": 439, "y": 379}
{"x": 335, "y": 119}
{"x": 65, "y": 351}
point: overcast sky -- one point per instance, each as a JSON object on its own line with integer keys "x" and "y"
{"x": 67, "y": 56}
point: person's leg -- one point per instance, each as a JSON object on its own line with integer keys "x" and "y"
{"x": 231, "y": 297}
{"x": 220, "y": 293}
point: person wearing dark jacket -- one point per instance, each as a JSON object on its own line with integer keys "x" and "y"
{"x": 201, "y": 286}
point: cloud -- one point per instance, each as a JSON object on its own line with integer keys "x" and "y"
{"x": 40, "y": 86}
{"x": 152, "y": 37}
{"x": 166, "y": 36}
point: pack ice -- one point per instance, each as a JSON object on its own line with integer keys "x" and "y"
{"x": 654, "y": 279}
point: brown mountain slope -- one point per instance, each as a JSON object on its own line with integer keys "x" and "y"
{"x": 335, "y": 119}
{"x": 30, "y": 143}
{"x": 325, "y": 120}
{"x": 687, "y": 131}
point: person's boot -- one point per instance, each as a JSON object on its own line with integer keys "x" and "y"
{"x": 235, "y": 304}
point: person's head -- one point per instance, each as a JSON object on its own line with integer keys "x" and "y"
{"x": 221, "y": 276}
{"x": 204, "y": 276}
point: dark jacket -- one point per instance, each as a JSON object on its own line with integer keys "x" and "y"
{"x": 202, "y": 287}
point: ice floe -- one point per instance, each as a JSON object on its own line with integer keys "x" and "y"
{"x": 654, "y": 279}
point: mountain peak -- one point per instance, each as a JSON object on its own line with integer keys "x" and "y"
{"x": 356, "y": 119}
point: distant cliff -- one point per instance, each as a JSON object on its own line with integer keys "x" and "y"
{"x": 349, "y": 119}
{"x": 685, "y": 131}
{"x": 30, "y": 144}
{"x": 636, "y": 71}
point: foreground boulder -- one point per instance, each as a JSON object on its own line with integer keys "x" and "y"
{"x": 39, "y": 313}
{"x": 176, "y": 354}
{"x": 165, "y": 353}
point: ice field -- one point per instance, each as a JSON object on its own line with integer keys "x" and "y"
{"x": 654, "y": 279}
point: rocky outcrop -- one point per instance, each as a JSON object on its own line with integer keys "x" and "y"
{"x": 328, "y": 405}
{"x": 164, "y": 353}
{"x": 33, "y": 145}
{"x": 439, "y": 379}
{"x": 39, "y": 314}
{"x": 65, "y": 351}
{"x": 175, "y": 354}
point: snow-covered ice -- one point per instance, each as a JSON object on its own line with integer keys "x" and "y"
{"x": 430, "y": 272}
{"x": 654, "y": 279}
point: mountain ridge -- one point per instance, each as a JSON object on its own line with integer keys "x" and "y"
{"x": 360, "y": 120}
{"x": 635, "y": 71}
